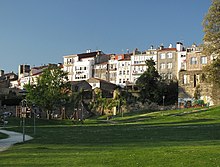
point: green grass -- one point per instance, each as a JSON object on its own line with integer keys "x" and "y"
{"x": 3, "y": 136}
{"x": 167, "y": 138}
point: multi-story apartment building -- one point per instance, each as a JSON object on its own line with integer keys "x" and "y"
{"x": 24, "y": 70}
{"x": 181, "y": 57}
{"x": 123, "y": 70}
{"x": 191, "y": 80}
{"x": 112, "y": 70}
{"x": 138, "y": 62}
{"x": 167, "y": 62}
{"x": 30, "y": 76}
{"x": 81, "y": 66}
{"x": 101, "y": 71}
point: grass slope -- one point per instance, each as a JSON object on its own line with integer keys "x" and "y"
{"x": 3, "y": 136}
{"x": 167, "y": 138}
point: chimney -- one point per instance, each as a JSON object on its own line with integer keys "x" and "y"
{"x": 161, "y": 47}
{"x": 179, "y": 46}
{"x": 2, "y": 73}
{"x": 88, "y": 51}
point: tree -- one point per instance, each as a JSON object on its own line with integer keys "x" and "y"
{"x": 153, "y": 88}
{"x": 51, "y": 90}
{"x": 148, "y": 83}
{"x": 211, "y": 24}
{"x": 212, "y": 72}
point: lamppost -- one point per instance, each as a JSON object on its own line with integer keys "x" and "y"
{"x": 34, "y": 112}
{"x": 163, "y": 100}
{"x": 23, "y": 114}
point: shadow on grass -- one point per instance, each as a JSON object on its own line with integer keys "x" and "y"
{"x": 121, "y": 135}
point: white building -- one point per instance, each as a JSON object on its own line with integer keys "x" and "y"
{"x": 83, "y": 69}
{"x": 30, "y": 76}
{"x": 181, "y": 58}
{"x": 123, "y": 72}
{"x": 113, "y": 64}
{"x": 138, "y": 62}
{"x": 69, "y": 65}
{"x": 80, "y": 66}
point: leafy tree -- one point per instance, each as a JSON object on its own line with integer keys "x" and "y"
{"x": 211, "y": 39}
{"x": 153, "y": 88}
{"x": 197, "y": 92}
{"x": 213, "y": 72}
{"x": 211, "y": 24}
{"x": 148, "y": 83}
{"x": 118, "y": 100}
{"x": 51, "y": 90}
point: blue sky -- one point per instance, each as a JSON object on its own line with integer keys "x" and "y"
{"x": 38, "y": 32}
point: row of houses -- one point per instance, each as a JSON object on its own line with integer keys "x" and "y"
{"x": 180, "y": 63}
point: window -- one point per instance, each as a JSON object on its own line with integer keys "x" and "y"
{"x": 193, "y": 60}
{"x": 119, "y": 80}
{"x": 170, "y": 76}
{"x": 162, "y": 56}
{"x": 123, "y": 72}
{"x": 185, "y": 79}
{"x": 183, "y": 66}
{"x": 183, "y": 55}
{"x": 84, "y": 68}
{"x": 127, "y": 72}
{"x": 163, "y": 75}
{"x": 203, "y": 60}
{"x": 196, "y": 79}
{"x": 162, "y": 66}
{"x": 120, "y": 72}
{"x": 170, "y": 55}
{"x": 169, "y": 65}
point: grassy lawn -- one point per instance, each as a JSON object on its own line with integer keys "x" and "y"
{"x": 167, "y": 138}
{"x": 3, "y": 136}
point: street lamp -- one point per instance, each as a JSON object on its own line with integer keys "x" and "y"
{"x": 34, "y": 112}
{"x": 23, "y": 114}
{"x": 163, "y": 101}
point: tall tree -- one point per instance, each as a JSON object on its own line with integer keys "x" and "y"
{"x": 211, "y": 24}
{"x": 211, "y": 39}
{"x": 148, "y": 83}
{"x": 155, "y": 89}
{"x": 50, "y": 91}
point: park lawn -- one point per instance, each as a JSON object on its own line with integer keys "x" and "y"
{"x": 3, "y": 136}
{"x": 142, "y": 142}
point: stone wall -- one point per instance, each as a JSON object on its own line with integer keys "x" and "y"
{"x": 195, "y": 80}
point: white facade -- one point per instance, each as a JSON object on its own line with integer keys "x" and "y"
{"x": 123, "y": 72}
{"x": 113, "y": 65}
{"x": 78, "y": 69}
{"x": 83, "y": 69}
{"x": 69, "y": 65}
{"x": 138, "y": 63}
{"x": 181, "y": 60}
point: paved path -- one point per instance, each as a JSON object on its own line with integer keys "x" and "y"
{"x": 13, "y": 138}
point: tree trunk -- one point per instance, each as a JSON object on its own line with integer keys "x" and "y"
{"x": 48, "y": 114}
